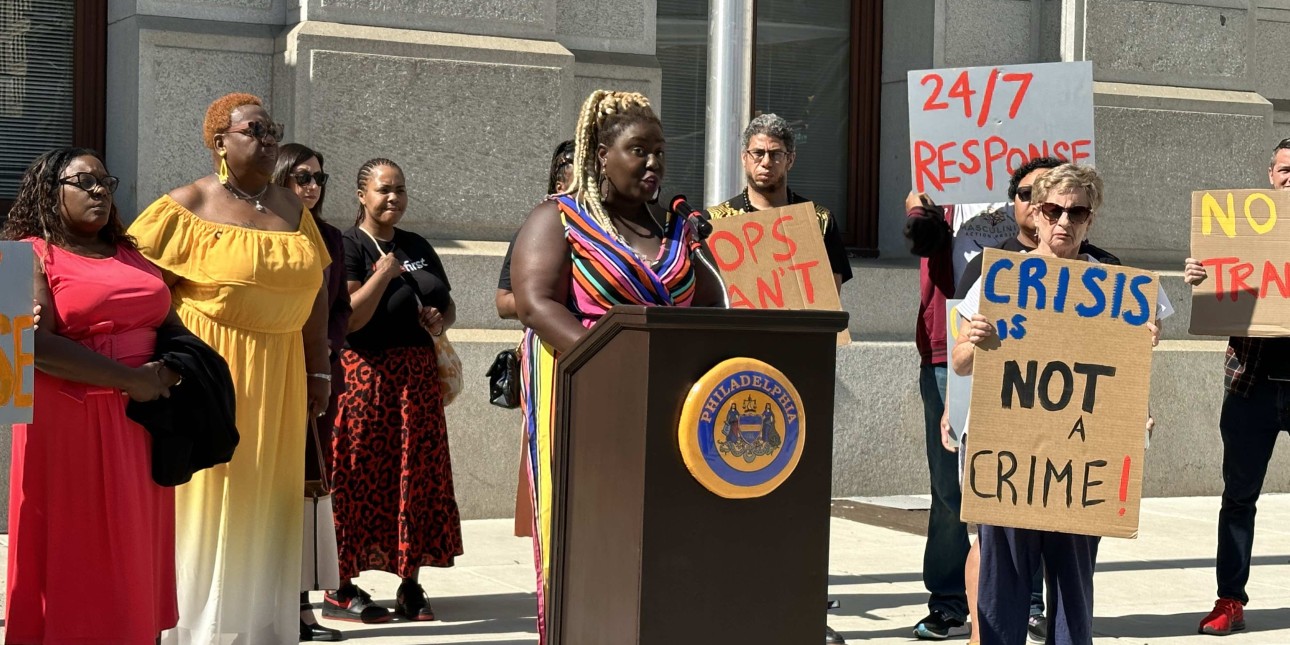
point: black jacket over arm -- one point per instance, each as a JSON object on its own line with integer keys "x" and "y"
{"x": 196, "y": 427}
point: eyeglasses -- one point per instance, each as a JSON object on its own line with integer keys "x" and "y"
{"x": 1076, "y": 214}
{"x": 259, "y": 130}
{"x": 1024, "y": 192}
{"x": 776, "y": 156}
{"x": 304, "y": 178}
{"x": 87, "y": 182}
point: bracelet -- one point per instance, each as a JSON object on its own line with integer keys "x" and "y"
{"x": 322, "y": 375}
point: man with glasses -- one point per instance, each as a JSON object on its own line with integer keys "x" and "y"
{"x": 1256, "y": 405}
{"x": 770, "y": 148}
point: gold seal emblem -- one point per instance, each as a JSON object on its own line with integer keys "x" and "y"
{"x": 742, "y": 429}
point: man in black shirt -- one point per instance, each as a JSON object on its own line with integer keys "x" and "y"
{"x": 769, "y": 151}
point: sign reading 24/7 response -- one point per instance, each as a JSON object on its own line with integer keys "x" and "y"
{"x": 971, "y": 127}
{"x": 1239, "y": 237}
{"x": 775, "y": 259}
{"x": 17, "y": 339}
{"x": 1059, "y": 397}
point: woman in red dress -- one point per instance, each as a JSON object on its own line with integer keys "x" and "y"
{"x": 84, "y": 513}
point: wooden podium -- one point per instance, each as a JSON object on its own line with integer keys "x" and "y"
{"x": 643, "y": 554}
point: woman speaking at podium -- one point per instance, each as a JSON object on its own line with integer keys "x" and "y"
{"x": 584, "y": 251}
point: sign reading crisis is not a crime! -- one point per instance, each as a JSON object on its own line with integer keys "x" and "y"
{"x": 775, "y": 259}
{"x": 1059, "y": 396}
{"x": 17, "y": 338}
{"x": 971, "y": 127}
{"x": 1239, "y": 236}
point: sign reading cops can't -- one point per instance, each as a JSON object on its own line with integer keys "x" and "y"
{"x": 742, "y": 429}
{"x": 971, "y": 127}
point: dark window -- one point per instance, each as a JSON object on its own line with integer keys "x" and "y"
{"x": 801, "y": 70}
{"x": 816, "y": 64}
{"x": 682, "y": 53}
{"x": 52, "y": 72}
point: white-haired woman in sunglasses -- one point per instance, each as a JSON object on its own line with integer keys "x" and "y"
{"x": 1065, "y": 200}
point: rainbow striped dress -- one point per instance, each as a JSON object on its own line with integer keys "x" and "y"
{"x": 605, "y": 272}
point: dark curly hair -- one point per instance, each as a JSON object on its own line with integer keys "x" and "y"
{"x": 1038, "y": 163}
{"x": 291, "y": 155}
{"x": 37, "y": 211}
{"x": 560, "y": 160}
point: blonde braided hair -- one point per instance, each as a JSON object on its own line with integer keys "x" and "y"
{"x": 604, "y": 115}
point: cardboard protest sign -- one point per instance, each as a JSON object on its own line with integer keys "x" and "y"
{"x": 1059, "y": 396}
{"x": 1237, "y": 235}
{"x": 775, "y": 259}
{"x": 17, "y": 336}
{"x": 958, "y": 389}
{"x": 971, "y": 127}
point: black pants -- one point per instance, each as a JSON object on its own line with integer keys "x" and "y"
{"x": 1249, "y": 426}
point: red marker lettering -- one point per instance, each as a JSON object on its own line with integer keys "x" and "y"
{"x": 777, "y": 232}
{"x": 924, "y": 155}
{"x": 723, "y": 261}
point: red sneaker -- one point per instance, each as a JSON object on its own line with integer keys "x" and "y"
{"x": 1227, "y": 617}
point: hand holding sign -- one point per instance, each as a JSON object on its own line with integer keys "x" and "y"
{"x": 1238, "y": 240}
{"x": 775, "y": 259}
{"x": 1058, "y": 402}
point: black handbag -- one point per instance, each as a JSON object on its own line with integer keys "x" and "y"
{"x": 504, "y": 380}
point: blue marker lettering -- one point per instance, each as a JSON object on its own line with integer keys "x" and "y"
{"x": 1135, "y": 290}
{"x": 1092, "y": 278}
{"x": 1063, "y": 281}
{"x": 1033, "y": 271}
{"x": 1018, "y": 326}
{"x": 990, "y": 293}
{"x": 1117, "y": 298}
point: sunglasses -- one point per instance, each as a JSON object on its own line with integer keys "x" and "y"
{"x": 87, "y": 182}
{"x": 1024, "y": 192}
{"x": 259, "y": 130}
{"x": 1076, "y": 214}
{"x": 304, "y": 178}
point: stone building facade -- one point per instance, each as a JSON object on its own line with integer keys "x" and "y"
{"x": 471, "y": 96}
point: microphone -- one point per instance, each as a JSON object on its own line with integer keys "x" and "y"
{"x": 702, "y": 229}
{"x": 697, "y": 218}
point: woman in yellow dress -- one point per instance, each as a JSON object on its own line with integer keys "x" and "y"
{"x": 244, "y": 262}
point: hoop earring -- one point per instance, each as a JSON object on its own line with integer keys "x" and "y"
{"x": 222, "y": 174}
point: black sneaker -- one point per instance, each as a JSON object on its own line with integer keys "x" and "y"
{"x": 938, "y": 626}
{"x": 412, "y": 602}
{"x": 833, "y": 638}
{"x": 1037, "y": 629}
{"x": 353, "y": 604}
{"x": 311, "y": 632}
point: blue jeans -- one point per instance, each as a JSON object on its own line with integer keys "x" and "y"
{"x": 1249, "y": 426}
{"x": 946, "y": 551}
{"x": 1010, "y": 558}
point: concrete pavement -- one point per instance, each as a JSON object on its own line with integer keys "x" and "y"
{"x": 1151, "y": 590}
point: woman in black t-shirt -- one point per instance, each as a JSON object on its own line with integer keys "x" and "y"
{"x": 392, "y": 479}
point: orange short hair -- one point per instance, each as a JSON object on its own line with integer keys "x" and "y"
{"x": 219, "y": 115}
